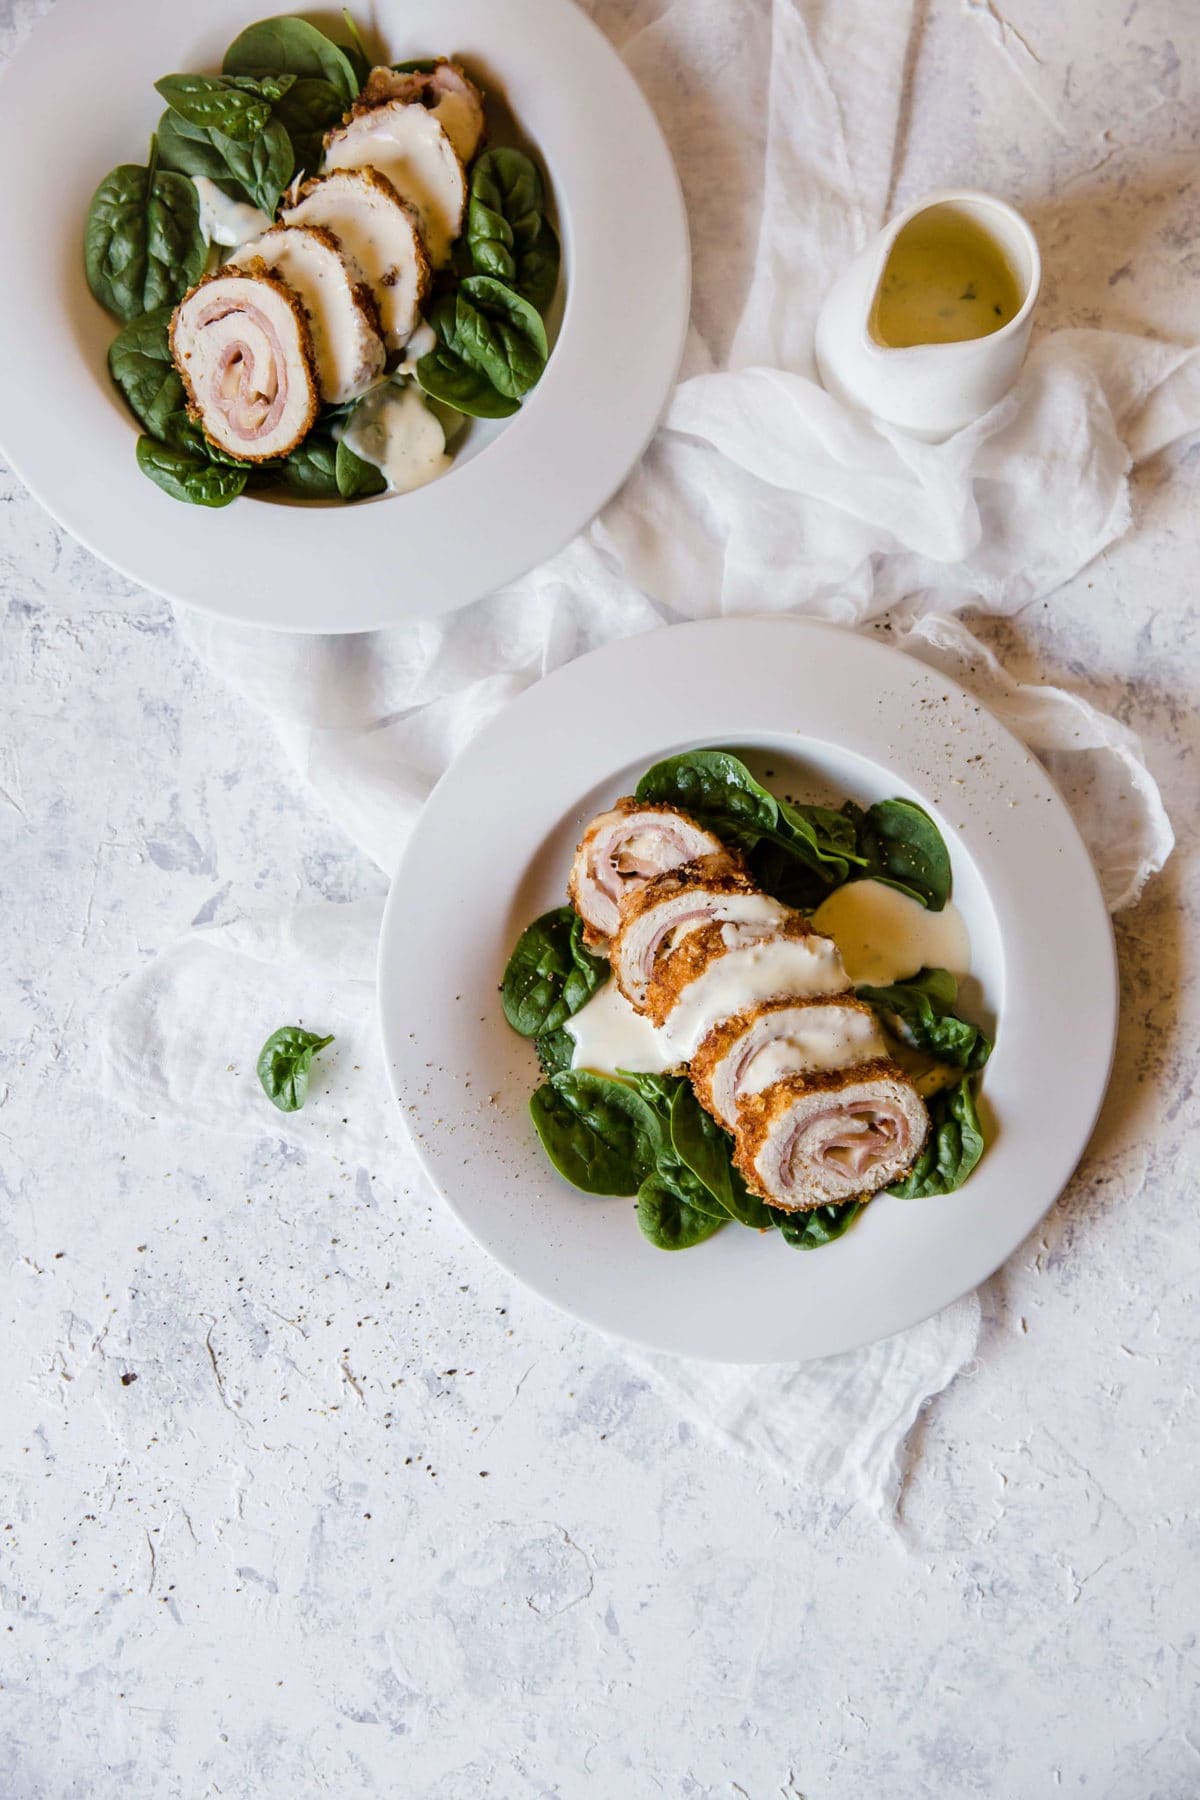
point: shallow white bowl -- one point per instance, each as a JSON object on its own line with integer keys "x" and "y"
{"x": 834, "y": 715}
{"x": 80, "y": 98}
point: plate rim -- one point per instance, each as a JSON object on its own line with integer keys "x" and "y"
{"x": 1105, "y": 972}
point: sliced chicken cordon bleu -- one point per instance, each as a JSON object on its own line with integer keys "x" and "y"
{"x": 823, "y": 1138}
{"x": 749, "y": 1052}
{"x": 730, "y": 966}
{"x": 445, "y": 90}
{"x": 657, "y": 918}
{"x": 410, "y": 147}
{"x": 380, "y": 233}
{"x": 621, "y": 851}
{"x": 241, "y": 342}
{"x": 342, "y": 313}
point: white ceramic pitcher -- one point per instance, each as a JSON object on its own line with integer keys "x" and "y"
{"x": 928, "y": 390}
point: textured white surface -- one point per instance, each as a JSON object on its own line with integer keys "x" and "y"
{"x": 224, "y": 1577}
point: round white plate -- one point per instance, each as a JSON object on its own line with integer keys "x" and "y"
{"x": 834, "y": 715}
{"x": 80, "y": 98}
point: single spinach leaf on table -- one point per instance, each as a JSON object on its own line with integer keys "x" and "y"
{"x": 550, "y": 974}
{"x": 257, "y": 171}
{"x": 508, "y": 234}
{"x": 284, "y": 1062}
{"x": 923, "y": 1008}
{"x": 499, "y": 334}
{"x": 953, "y": 1147}
{"x": 598, "y": 1133}
{"x": 142, "y": 243}
{"x": 902, "y": 846}
{"x": 814, "y": 1229}
{"x": 188, "y": 477}
{"x": 671, "y": 1221}
{"x": 139, "y": 361}
{"x": 238, "y": 106}
{"x": 706, "y": 1150}
{"x": 292, "y": 46}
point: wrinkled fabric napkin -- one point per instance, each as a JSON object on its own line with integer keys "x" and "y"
{"x": 760, "y": 492}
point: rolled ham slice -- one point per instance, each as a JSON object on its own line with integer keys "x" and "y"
{"x": 445, "y": 90}
{"x": 621, "y": 851}
{"x": 380, "y": 232}
{"x": 754, "y": 1049}
{"x": 815, "y": 1140}
{"x": 347, "y": 341}
{"x": 657, "y": 917}
{"x": 725, "y": 968}
{"x": 240, "y": 340}
{"x": 409, "y": 147}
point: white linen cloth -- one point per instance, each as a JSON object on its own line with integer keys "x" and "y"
{"x": 760, "y": 492}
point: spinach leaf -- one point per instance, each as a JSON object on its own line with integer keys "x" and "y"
{"x": 718, "y": 789}
{"x": 445, "y": 376}
{"x": 258, "y": 171}
{"x": 499, "y": 334}
{"x": 189, "y": 477}
{"x": 954, "y": 1146}
{"x": 284, "y": 1062}
{"x": 139, "y": 361}
{"x": 923, "y": 1011}
{"x": 550, "y": 974}
{"x": 418, "y": 65}
{"x": 236, "y": 105}
{"x": 306, "y": 112}
{"x": 181, "y": 432}
{"x": 669, "y": 1219}
{"x": 356, "y": 50}
{"x": 554, "y": 1050}
{"x": 903, "y": 847}
{"x": 508, "y": 234}
{"x": 813, "y": 1230}
{"x": 142, "y": 243}
{"x": 598, "y": 1133}
{"x": 310, "y": 470}
{"x": 292, "y": 46}
{"x": 706, "y": 1150}
{"x": 356, "y": 479}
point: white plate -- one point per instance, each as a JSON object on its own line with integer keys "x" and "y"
{"x": 80, "y": 98}
{"x": 833, "y": 714}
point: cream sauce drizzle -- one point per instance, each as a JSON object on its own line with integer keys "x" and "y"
{"x": 609, "y": 1036}
{"x": 885, "y": 935}
{"x": 393, "y": 428}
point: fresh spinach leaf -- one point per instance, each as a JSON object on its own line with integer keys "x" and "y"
{"x": 952, "y": 1149}
{"x": 499, "y": 334}
{"x": 669, "y": 1219}
{"x": 555, "y": 1049}
{"x": 238, "y": 106}
{"x": 292, "y": 46}
{"x": 139, "y": 361}
{"x": 444, "y": 375}
{"x": 508, "y": 234}
{"x": 550, "y": 974}
{"x": 356, "y": 51}
{"x": 598, "y": 1133}
{"x": 418, "y": 65}
{"x": 706, "y": 1150}
{"x": 814, "y": 1229}
{"x": 181, "y": 432}
{"x": 142, "y": 244}
{"x": 306, "y": 112}
{"x": 903, "y": 847}
{"x": 258, "y": 171}
{"x": 284, "y": 1062}
{"x": 356, "y": 478}
{"x": 186, "y": 476}
{"x": 923, "y": 1011}
{"x": 310, "y": 470}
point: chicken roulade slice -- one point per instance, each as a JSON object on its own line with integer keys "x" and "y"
{"x": 380, "y": 233}
{"x": 815, "y": 1140}
{"x": 241, "y": 343}
{"x": 445, "y": 90}
{"x": 754, "y": 1049}
{"x": 408, "y": 146}
{"x": 657, "y": 917}
{"x": 621, "y": 851}
{"x": 721, "y": 970}
{"x": 347, "y": 341}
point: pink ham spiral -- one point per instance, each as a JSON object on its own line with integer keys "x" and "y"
{"x": 747, "y": 1053}
{"x": 662, "y": 913}
{"x": 811, "y": 1140}
{"x": 241, "y": 343}
{"x": 622, "y": 850}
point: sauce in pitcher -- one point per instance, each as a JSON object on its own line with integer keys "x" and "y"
{"x": 946, "y": 280}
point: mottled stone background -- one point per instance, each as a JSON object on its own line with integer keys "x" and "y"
{"x": 278, "y": 1520}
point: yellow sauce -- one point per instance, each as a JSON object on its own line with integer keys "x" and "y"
{"x": 945, "y": 280}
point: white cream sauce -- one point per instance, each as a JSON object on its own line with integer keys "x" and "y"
{"x": 823, "y": 1037}
{"x": 409, "y": 146}
{"x": 885, "y": 936}
{"x": 225, "y": 221}
{"x": 393, "y": 428}
{"x": 743, "y": 977}
{"x": 423, "y": 340}
{"x": 609, "y": 1036}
